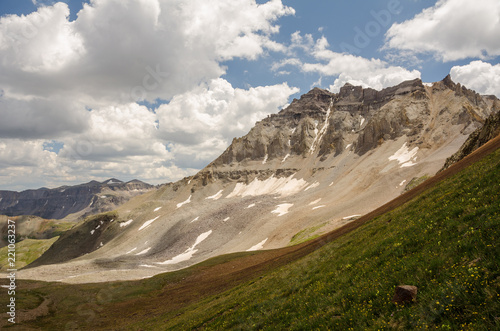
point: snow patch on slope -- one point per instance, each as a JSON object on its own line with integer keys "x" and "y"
{"x": 180, "y": 204}
{"x": 148, "y": 223}
{"x": 315, "y": 202}
{"x": 322, "y": 131}
{"x": 130, "y": 251}
{"x": 216, "y": 196}
{"x": 123, "y": 224}
{"x": 404, "y": 156}
{"x": 282, "y": 209}
{"x": 188, "y": 254}
{"x": 313, "y": 185}
{"x": 349, "y": 217}
{"x": 144, "y": 251}
{"x": 258, "y": 246}
{"x": 284, "y": 186}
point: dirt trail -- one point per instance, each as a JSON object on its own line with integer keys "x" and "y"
{"x": 32, "y": 314}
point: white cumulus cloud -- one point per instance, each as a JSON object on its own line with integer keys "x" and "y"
{"x": 479, "y": 76}
{"x": 80, "y": 83}
{"x": 202, "y": 122}
{"x": 130, "y": 50}
{"x": 348, "y": 68}
{"x": 451, "y": 30}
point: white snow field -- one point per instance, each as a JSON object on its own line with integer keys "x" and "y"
{"x": 282, "y": 209}
{"x": 188, "y": 254}
{"x": 283, "y": 186}
{"x": 216, "y": 196}
{"x": 404, "y": 156}
{"x": 257, "y": 246}
{"x": 148, "y": 223}
{"x": 124, "y": 224}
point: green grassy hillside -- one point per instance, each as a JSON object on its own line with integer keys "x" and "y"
{"x": 445, "y": 242}
{"x": 27, "y": 251}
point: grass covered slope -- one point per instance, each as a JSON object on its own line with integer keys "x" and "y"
{"x": 446, "y": 242}
{"x": 27, "y": 251}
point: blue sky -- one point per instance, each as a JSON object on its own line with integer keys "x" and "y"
{"x": 340, "y": 22}
{"x": 156, "y": 89}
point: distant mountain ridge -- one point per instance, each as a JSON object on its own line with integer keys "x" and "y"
{"x": 92, "y": 197}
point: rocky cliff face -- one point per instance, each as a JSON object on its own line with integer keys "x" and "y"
{"x": 322, "y": 123}
{"x": 478, "y": 138}
{"x": 92, "y": 197}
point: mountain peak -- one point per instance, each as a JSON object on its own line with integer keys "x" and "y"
{"x": 449, "y": 83}
{"x": 349, "y": 92}
{"x": 323, "y": 123}
{"x": 317, "y": 90}
{"x": 112, "y": 181}
{"x": 316, "y": 99}
{"x": 461, "y": 91}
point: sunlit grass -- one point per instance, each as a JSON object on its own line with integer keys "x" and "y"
{"x": 26, "y": 252}
{"x": 306, "y": 234}
{"x": 416, "y": 181}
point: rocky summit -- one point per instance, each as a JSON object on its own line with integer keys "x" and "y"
{"x": 318, "y": 164}
{"x": 322, "y": 123}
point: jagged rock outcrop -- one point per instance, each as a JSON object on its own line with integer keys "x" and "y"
{"x": 60, "y": 202}
{"x": 478, "y": 138}
{"x": 207, "y": 176}
{"x": 322, "y": 123}
{"x": 460, "y": 90}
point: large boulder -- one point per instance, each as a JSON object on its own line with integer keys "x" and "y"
{"x": 405, "y": 294}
